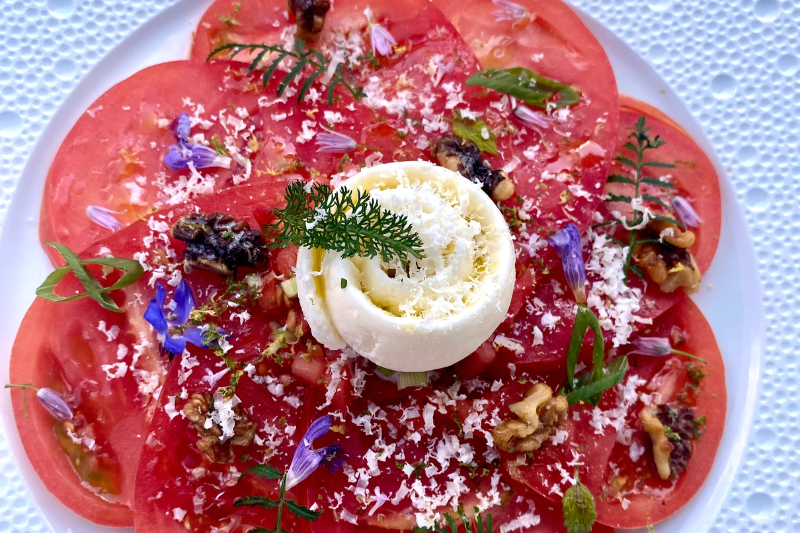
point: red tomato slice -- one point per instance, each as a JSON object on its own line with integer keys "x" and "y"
{"x": 629, "y": 493}
{"x": 179, "y": 488}
{"x": 114, "y": 155}
{"x": 694, "y": 178}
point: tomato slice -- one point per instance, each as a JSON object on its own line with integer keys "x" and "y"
{"x": 695, "y": 177}
{"x": 629, "y": 493}
{"x": 114, "y": 155}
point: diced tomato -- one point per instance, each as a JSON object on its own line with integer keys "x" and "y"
{"x": 283, "y": 261}
{"x": 478, "y": 361}
{"x": 310, "y": 368}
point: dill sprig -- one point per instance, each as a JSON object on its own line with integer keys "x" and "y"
{"x": 303, "y": 58}
{"x": 354, "y": 224}
{"x": 640, "y": 143}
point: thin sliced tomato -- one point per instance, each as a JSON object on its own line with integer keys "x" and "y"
{"x": 630, "y": 493}
{"x": 113, "y": 157}
{"x": 694, "y": 177}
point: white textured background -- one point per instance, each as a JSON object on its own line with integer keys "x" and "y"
{"x": 735, "y": 63}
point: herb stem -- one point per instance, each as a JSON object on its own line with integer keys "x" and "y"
{"x": 24, "y": 387}
{"x": 690, "y": 356}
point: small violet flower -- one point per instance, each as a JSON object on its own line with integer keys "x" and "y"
{"x": 510, "y": 11}
{"x": 567, "y": 243}
{"x": 686, "y": 212}
{"x": 102, "y": 217}
{"x": 306, "y": 460}
{"x": 185, "y": 154}
{"x": 333, "y": 142}
{"x": 163, "y": 319}
{"x": 382, "y": 40}
{"x": 531, "y": 118}
{"x": 659, "y": 347}
{"x": 55, "y": 404}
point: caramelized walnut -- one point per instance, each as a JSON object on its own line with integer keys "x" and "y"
{"x": 210, "y": 442}
{"x": 218, "y": 243}
{"x": 310, "y": 17}
{"x": 670, "y": 268}
{"x": 464, "y": 156}
{"x": 539, "y": 415}
{"x": 682, "y": 425}
{"x": 662, "y": 447}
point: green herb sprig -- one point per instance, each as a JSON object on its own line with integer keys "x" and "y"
{"x": 304, "y": 58}
{"x": 640, "y": 143}
{"x": 527, "y": 86}
{"x": 94, "y": 289}
{"x": 481, "y": 525}
{"x": 472, "y": 130}
{"x": 590, "y": 385}
{"x": 578, "y": 507}
{"x": 354, "y": 224}
{"x": 265, "y": 502}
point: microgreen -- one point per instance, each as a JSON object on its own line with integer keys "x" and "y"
{"x": 482, "y": 525}
{"x": 303, "y": 58}
{"x": 527, "y": 86}
{"x": 476, "y": 131}
{"x": 590, "y": 385}
{"x": 640, "y": 143}
{"x": 347, "y": 222}
{"x": 132, "y": 271}
{"x": 578, "y": 507}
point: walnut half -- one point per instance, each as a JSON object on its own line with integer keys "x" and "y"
{"x": 662, "y": 447}
{"x": 210, "y": 443}
{"x": 670, "y": 265}
{"x": 539, "y": 415}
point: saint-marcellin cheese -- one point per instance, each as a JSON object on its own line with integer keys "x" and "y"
{"x": 420, "y": 314}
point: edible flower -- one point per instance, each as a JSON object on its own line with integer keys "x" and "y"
{"x": 382, "y": 40}
{"x": 567, "y": 243}
{"x": 686, "y": 212}
{"x": 102, "y": 217}
{"x": 165, "y": 318}
{"x": 53, "y": 402}
{"x": 511, "y": 11}
{"x": 185, "y": 154}
{"x": 306, "y": 459}
{"x": 659, "y": 347}
{"x": 334, "y": 142}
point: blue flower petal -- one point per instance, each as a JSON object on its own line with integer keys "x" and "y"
{"x": 318, "y": 428}
{"x": 161, "y": 294}
{"x": 567, "y": 243}
{"x": 185, "y": 303}
{"x": 175, "y": 345}
{"x": 181, "y": 127}
{"x": 307, "y": 460}
{"x": 200, "y": 156}
{"x": 155, "y": 315}
{"x": 194, "y": 336}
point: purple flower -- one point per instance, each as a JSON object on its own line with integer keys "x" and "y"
{"x": 510, "y": 11}
{"x": 567, "y": 243}
{"x": 306, "y": 460}
{"x": 102, "y": 217}
{"x": 659, "y": 347}
{"x": 686, "y": 212}
{"x": 532, "y": 119}
{"x": 334, "y": 143}
{"x": 184, "y": 153}
{"x": 55, "y": 404}
{"x": 382, "y": 40}
{"x": 163, "y": 319}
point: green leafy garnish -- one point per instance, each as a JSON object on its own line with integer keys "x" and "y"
{"x": 476, "y": 131}
{"x": 94, "y": 289}
{"x": 641, "y": 142}
{"x": 590, "y": 385}
{"x": 303, "y": 58}
{"x": 481, "y": 525}
{"x": 347, "y": 222}
{"x": 265, "y": 502}
{"x": 578, "y": 508}
{"x": 527, "y": 86}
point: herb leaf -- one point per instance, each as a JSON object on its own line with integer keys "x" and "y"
{"x": 614, "y": 374}
{"x": 94, "y": 289}
{"x": 347, "y": 222}
{"x": 257, "y": 501}
{"x": 526, "y": 85}
{"x": 265, "y": 471}
{"x": 578, "y": 508}
{"x": 302, "y": 512}
{"x": 303, "y": 58}
{"x": 473, "y": 130}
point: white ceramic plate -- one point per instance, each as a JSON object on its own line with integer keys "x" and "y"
{"x": 733, "y": 306}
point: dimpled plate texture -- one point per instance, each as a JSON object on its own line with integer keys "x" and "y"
{"x": 736, "y": 65}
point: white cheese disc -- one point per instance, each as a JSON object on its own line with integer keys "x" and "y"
{"x": 436, "y": 310}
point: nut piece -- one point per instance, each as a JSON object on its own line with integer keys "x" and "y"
{"x": 662, "y": 447}
{"x": 218, "y": 243}
{"x": 464, "y": 156}
{"x": 310, "y": 15}
{"x": 244, "y": 430}
{"x": 671, "y": 233}
{"x": 539, "y": 416}
{"x": 669, "y": 268}
{"x": 503, "y": 191}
